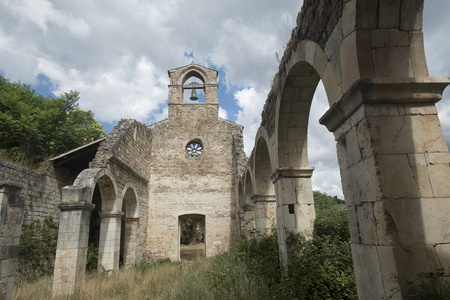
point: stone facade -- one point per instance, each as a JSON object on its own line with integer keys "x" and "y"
{"x": 144, "y": 180}
{"x": 182, "y": 184}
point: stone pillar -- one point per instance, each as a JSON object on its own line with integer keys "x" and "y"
{"x": 395, "y": 172}
{"x": 109, "y": 244}
{"x": 241, "y": 222}
{"x": 249, "y": 220}
{"x": 265, "y": 212}
{"x": 71, "y": 250}
{"x": 11, "y": 219}
{"x": 130, "y": 241}
{"x": 295, "y": 204}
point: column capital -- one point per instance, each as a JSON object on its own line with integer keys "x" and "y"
{"x": 65, "y": 206}
{"x": 111, "y": 214}
{"x": 291, "y": 173}
{"x": 383, "y": 91}
{"x": 263, "y": 198}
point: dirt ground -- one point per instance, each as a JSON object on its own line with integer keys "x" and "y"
{"x": 192, "y": 251}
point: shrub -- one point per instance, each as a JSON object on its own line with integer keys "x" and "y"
{"x": 37, "y": 249}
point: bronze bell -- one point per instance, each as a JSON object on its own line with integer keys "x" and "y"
{"x": 194, "y": 95}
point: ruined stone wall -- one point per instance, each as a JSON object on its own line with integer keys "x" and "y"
{"x": 40, "y": 191}
{"x": 180, "y": 184}
{"x": 126, "y": 153}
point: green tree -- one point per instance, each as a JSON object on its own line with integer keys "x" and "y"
{"x": 33, "y": 127}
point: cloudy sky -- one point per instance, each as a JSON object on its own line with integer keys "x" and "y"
{"x": 117, "y": 53}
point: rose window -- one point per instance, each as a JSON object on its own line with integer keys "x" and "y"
{"x": 194, "y": 149}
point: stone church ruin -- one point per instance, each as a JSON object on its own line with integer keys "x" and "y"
{"x": 128, "y": 193}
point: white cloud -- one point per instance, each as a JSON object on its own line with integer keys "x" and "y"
{"x": 223, "y": 113}
{"x": 117, "y": 53}
{"x": 250, "y": 103}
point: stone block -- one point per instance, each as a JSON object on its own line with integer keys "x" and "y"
{"x": 320, "y": 61}
{"x": 411, "y": 15}
{"x": 348, "y": 18}
{"x": 369, "y": 278}
{"x": 367, "y": 223}
{"x": 361, "y": 182}
{"x": 418, "y": 54}
{"x": 388, "y": 14}
{"x": 334, "y": 40}
{"x": 331, "y": 85}
{"x": 392, "y": 62}
{"x": 397, "y": 178}
{"x": 365, "y": 59}
{"x": 349, "y": 61}
{"x": 380, "y": 38}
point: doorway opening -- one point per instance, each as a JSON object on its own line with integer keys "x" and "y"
{"x": 192, "y": 237}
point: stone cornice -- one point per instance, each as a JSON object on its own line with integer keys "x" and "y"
{"x": 111, "y": 214}
{"x": 383, "y": 91}
{"x": 247, "y": 208}
{"x": 291, "y": 173}
{"x": 263, "y": 198}
{"x": 65, "y": 206}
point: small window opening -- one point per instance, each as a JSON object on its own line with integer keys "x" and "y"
{"x": 291, "y": 208}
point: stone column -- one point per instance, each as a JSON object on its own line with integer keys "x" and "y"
{"x": 11, "y": 219}
{"x": 130, "y": 241}
{"x": 265, "y": 207}
{"x": 295, "y": 204}
{"x": 249, "y": 220}
{"x": 109, "y": 244}
{"x": 71, "y": 250}
{"x": 395, "y": 172}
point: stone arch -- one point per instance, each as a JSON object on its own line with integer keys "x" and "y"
{"x": 87, "y": 181}
{"x": 370, "y": 57}
{"x": 193, "y": 71}
{"x": 264, "y": 197}
{"x": 73, "y": 235}
{"x": 129, "y": 226}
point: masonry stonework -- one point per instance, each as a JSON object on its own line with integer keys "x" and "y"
{"x": 129, "y": 192}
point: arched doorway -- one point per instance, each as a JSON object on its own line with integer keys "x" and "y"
{"x": 192, "y": 236}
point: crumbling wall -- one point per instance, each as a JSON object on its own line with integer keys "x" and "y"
{"x": 126, "y": 153}
{"x": 40, "y": 191}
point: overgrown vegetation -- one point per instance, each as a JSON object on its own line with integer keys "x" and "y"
{"x": 319, "y": 268}
{"x": 427, "y": 286}
{"x": 34, "y": 127}
{"x": 37, "y": 250}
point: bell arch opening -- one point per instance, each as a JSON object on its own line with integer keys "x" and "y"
{"x": 193, "y": 87}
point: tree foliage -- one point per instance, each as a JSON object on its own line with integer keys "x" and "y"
{"x": 34, "y": 127}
